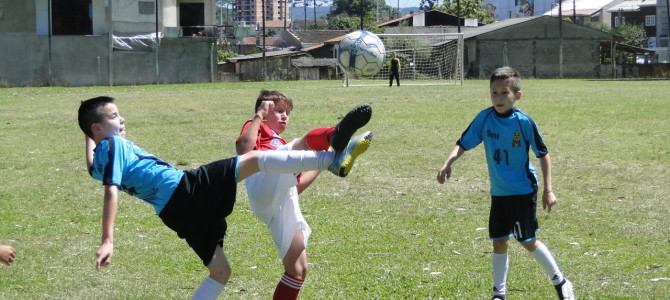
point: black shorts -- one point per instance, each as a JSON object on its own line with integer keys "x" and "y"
{"x": 513, "y": 215}
{"x": 198, "y": 208}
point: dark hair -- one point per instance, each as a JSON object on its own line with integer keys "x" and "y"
{"x": 89, "y": 113}
{"x": 274, "y": 96}
{"x": 509, "y": 74}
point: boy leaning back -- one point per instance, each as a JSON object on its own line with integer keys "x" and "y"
{"x": 193, "y": 203}
{"x": 274, "y": 197}
{"x": 508, "y": 133}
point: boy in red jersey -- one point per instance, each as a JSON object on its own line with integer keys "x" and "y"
{"x": 274, "y": 197}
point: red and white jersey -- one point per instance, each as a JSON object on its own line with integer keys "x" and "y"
{"x": 267, "y": 138}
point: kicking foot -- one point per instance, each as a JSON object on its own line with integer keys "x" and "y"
{"x": 352, "y": 121}
{"x": 498, "y": 297}
{"x": 565, "y": 290}
{"x": 344, "y": 159}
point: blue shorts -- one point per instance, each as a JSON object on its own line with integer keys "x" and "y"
{"x": 513, "y": 216}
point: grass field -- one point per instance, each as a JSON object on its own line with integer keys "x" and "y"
{"x": 388, "y": 231}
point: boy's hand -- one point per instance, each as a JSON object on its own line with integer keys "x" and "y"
{"x": 7, "y": 255}
{"x": 104, "y": 255}
{"x": 548, "y": 200}
{"x": 265, "y": 108}
{"x": 445, "y": 171}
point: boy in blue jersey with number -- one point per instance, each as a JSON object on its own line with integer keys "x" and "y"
{"x": 193, "y": 203}
{"x": 508, "y": 134}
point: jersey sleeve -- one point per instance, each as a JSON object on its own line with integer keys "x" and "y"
{"x": 472, "y": 136}
{"x": 109, "y": 161}
{"x": 535, "y": 139}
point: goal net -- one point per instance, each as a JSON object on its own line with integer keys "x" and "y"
{"x": 425, "y": 59}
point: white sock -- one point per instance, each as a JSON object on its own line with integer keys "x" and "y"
{"x": 500, "y": 267}
{"x": 294, "y": 161}
{"x": 544, "y": 257}
{"x": 208, "y": 289}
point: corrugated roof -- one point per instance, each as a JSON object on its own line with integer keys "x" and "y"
{"x": 581, "y": 7}
{"x": 631, "y": 5}
{"x": 260, "y": 55}
{"x": 306, "y": 62}
{"x": 475, "y": 31}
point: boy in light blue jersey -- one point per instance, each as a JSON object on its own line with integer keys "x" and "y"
{"x": 508, "y": 134}
{"x": 193, "y": 203}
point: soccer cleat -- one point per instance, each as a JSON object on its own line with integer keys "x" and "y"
{"x": 344, "y": 159}
{"x": 352, "y": 121}
{"x": 498, "y": 297}
{"x": 565, "y": 290}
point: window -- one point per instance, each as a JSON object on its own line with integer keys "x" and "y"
{"x": 71, "y": 17}
{"x": 619, "y": 21}
{"x": 650, "y": 20}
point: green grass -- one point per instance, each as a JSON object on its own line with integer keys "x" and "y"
{"x": 388, "y": 231}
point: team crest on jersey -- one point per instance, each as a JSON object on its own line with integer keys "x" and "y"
{"x": 516, "y": 139}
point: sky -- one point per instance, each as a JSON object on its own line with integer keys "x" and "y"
{"x": 403, "y": 3}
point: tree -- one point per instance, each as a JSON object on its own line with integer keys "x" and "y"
{"x": 469, "y": 9}
{"x": 633, "y": 35}
{"x": 428, "y": 4}
{"x": 346, "y": 14}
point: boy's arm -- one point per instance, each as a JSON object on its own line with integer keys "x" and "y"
{"x": 548, "y": 197}
{"x": 306, "y": 179}
{"x": 7, "y": 255}
{"x": 90, "y": 145}
{"x": 247, "y": 139}
{"x": 445, "y": 171}
{"x": 106, "y": 249}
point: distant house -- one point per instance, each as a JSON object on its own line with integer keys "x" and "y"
{"x": 594, "y": 13}
{"x": 99, "y": 42}
{"x": 424, "y": 19}
{"x": 636, "y": 12}
{"x": 532, "y": 44}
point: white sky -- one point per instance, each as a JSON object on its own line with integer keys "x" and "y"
{"x": 403, "y": 3}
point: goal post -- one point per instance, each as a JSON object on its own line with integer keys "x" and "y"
{"x": 425, "y": 59}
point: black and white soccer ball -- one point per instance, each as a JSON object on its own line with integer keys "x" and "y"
{"x": 361, "y": 52}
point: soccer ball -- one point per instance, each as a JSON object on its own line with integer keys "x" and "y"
{"x": 361, "y": 52}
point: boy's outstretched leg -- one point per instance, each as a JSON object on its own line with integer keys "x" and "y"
{"x": 344, "y": 159}
{"x": 352, "y": 121}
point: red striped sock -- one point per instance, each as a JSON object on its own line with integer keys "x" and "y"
{"x": 319, "y": 138}
{"x": 288, "y": 287}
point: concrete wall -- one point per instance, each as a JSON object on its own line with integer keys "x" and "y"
{"x": 84, "y": 60}
{"x": 17, "y": 16}
{"x": 533, "y": 49}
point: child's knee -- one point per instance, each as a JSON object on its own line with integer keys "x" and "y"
{"x": 500, "y": 246}
{"x": 220, "y": 272}
{"x": 530, "y": 245}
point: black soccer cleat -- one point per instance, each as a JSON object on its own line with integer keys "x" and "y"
{"x": 498, "y": 297}
{"x": 352, "y": 121}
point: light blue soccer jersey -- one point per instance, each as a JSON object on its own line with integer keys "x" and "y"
{"x": 119, "y": 162}
{"x": 507, "y": 139}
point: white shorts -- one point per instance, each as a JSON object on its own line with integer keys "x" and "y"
{"x": 274, "y": 199}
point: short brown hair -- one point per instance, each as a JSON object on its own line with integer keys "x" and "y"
{"x": 89, "y": 113}
{"x": 509, "y": 74}
{"x": 274, "y": 96}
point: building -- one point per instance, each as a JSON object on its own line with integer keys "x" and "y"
{"x": 98, "y": 42}
{"x": 251, "y": 12}
{"x": 662, "y": 31}
{"x": 531, "y": 45}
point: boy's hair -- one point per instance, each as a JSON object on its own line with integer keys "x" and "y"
{"x": 274, "y": 96}
{"x": 510, "y": 74}
{"x": 89, "y": 113}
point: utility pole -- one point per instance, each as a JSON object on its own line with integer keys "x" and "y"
{"x": 362, "y": 13}
{"x": 158, "y": 42}
{"x": 263, "y": 37}
{"x": 305, "y": 7}
{"x": 458, "y": 12}
{"x": 574, "y": 12}
{"x": 560, "y": 38}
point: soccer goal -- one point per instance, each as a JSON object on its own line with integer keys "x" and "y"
{"x": 425, "y": 59}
